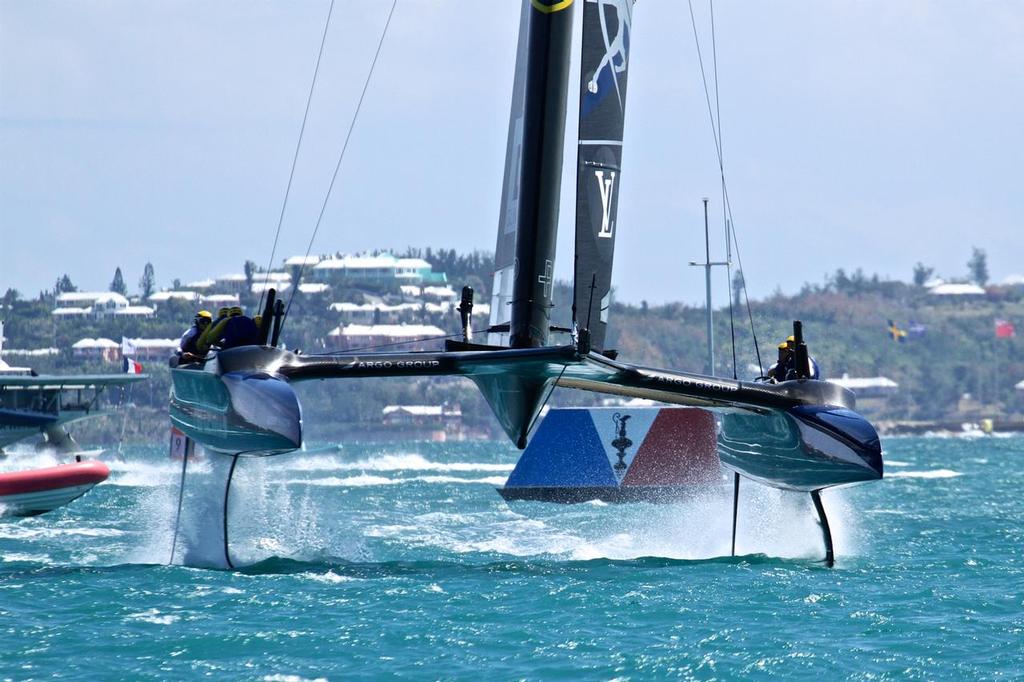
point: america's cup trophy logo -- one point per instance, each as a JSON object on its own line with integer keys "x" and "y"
{"x": 621, "y": 443}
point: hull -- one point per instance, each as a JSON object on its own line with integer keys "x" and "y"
{"x": 665, "y": 454}
{"x": 12, "y": 434}
{"x": 250, "y": 412}
{"x": 29, "y": 493}
{"x": 17, "y": 425}
{"x": 804, "y": 449}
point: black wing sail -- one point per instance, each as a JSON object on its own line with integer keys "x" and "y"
{"x": 508, "y": 219}
{"x": 533, "y": 172}
{"x": 604, "y": 62}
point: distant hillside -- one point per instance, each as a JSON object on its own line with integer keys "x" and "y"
{"x": 950, "y": 349}
{"x": 954, "y": 351}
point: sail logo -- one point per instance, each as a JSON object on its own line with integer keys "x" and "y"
{"x": 614, "y": 60}
{"x": 607, "y": 188}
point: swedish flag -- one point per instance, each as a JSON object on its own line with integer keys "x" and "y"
{"x": 896, "y": 334}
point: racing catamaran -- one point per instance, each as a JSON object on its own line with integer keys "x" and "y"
{"x": 33, "y": 404}
{"x": 802, "y": 434}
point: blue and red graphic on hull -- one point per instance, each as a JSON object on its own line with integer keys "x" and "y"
{"x": 617, "y": 455}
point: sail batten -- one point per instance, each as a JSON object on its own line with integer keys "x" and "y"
{"x": 603, "y": 71}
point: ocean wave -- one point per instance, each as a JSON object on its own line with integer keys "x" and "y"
{"x": 396, "y": 462}
{"x": 153, "y": 616}
{"x": 34, "y": 533}
{"x": 18, "y": 557}
{"x": 329, "y": 578}
{"x": 347, "y": 481}
{"x": 934, "y": 473}
{"x": 363, "y": 480}
{"x": 487, "y": 480}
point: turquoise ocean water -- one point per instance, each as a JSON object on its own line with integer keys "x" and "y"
{"x": 402, "y": 561}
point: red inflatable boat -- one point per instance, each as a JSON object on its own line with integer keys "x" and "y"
{"x": 36, "y": 491}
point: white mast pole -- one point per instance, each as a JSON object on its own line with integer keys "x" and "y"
{"x": 707, "y": 265}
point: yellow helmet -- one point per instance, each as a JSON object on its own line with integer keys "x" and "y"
{"x": 235, "y": 311}
{"x": 791, "y": 339}
{"x": 783, "y": 346}
{"x": 223, "y": 312}
{"x": 204, "y": 313}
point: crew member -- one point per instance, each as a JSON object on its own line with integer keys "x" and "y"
{"x": 239, "y": 330}
{"x": 212, "y": 333}
{"x": 200, "y": 323}
{"x": 786, "y": 362}
{"x": 785, "y": 368}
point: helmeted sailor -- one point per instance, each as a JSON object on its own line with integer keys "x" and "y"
{"x": 239, "y": 330}
{"x": 211, "y": 334}
{"x": 786, "y": 362}
{"x": 200, "y": 323}
{"x": 785, "y": 368}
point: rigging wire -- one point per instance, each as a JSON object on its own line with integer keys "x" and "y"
{"x": 547, "y": 397}
{"x": 337, "y": 167}
{"x": 295, "y": 156}
{"x": 743, "y": 281}
{"x": 727, "y": 204}
{"x": 721, "y": 169}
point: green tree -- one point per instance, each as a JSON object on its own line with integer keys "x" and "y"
{"x": 978, "y": 266}
{"x": 250, "y": 274}
{"x": 147, "y": 283}
{"x": 737, "y": 288}
{"x": 64, "y": 285}
{"x": 117, "y": 285}
{"x": 922, "y": 274}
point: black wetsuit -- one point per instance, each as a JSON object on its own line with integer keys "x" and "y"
{"x": 189, "y": 339}
{"x": 239, "y": 331}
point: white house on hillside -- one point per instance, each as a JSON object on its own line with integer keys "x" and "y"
{"x": 956, "y": 289}
{"x": 97, "y": 304}
{"x": 867, "y": 387}
{"x": 164, "y": 296}
{"x": 412, "y": 336}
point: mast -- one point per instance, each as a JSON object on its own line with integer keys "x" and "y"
{"x": 707, "y": 285}
{"x": 707, "y": 265}
{"x": 548, "y": 42}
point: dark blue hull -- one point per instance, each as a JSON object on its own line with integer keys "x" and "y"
{"x": 805, "y": 448}
{"x": 251, "y": 412}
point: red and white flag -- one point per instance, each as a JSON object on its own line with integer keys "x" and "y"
{"x": 131, "y": 366}
{"x": 1005, "y": 329}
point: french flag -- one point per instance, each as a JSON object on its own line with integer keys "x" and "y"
{"x": 131, "y": 367}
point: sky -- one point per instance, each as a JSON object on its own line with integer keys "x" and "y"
{"x": 871, "y": 135}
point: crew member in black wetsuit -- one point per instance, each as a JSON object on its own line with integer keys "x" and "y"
{"x": 786, "y": 363}
{"x": 188, "y": 350}
{"x": 239, "y": 330}
{"x": 209, "y": 337}
{"x": 785, "y": 368}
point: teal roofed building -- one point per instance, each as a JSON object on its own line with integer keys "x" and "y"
{"x": 375, "y": 270}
